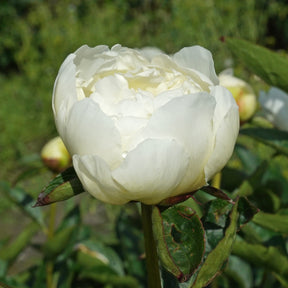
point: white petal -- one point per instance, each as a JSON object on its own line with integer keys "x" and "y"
{"x": 224, "y": 143}
{"x": 90, "y": 131}
{"x": 189, "y": 120}
{"x": 95, "y": 176}
{"x": 224, "y": 102}
{"x": 128, "y": 127}
{"x": 64, "y": 92}
{"x": 199, "y": 59}
{"x": 153, "y": 170}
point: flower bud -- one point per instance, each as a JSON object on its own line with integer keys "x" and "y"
{"x": 142, "y": 125}
{"x": 55, "y": 155}
{"x": 242, "y": 93}
{"x": 274, "y": 104}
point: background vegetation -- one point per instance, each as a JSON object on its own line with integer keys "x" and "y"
{"x": 37, "y": 35}
{"x": 35, "y": 38}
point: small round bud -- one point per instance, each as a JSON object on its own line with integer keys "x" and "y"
{"x": 242, "y": 93}
{"x": 55, "y": 155}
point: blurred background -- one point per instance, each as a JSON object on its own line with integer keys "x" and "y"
{"x": 37, "y": 35}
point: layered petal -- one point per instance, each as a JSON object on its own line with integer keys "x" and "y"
{"x": 152, "y": 170}
{"x": 64, "y": 92}
{"x": 90, "y": 131}
{"x": 226, "y": 128}
{"x": 188, "y": 120}
{"x": 95, "y": 176}
{"x": 198, "y": 59}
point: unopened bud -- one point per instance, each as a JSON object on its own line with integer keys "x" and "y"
{"x": 55, "y": 155}
{"x": 242, "y": 93}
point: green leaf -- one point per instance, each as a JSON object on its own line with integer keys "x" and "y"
{"x": 270, "y": 66}
{"x": 109, "y": 280}
{"x": 2, "y": 285}
{"x": 272, "y": 137}
{"x": 218, "y": 256}
{"x": 249, "y": 160}
{"x": 180, "y": 238}
{"x": 240, "y": 272}
{"x": 216, "y": 193}
{"x": 216, "y": 212}
{"x": 131, "y": 241}
{"x": 274, "y": 222}
{"x": 10, "y": 251}
{"x": 23, "y": 201}
{"x": 64, "y": 186}
{"x": 64, "y": 239}
{"x": 266, "y": 257}
{"x": 246, "y": 211}
{"x": 93, "y": 256}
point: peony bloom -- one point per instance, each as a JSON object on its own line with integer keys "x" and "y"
{"x": 242, "y": 93}
{"x": 141, "y": 127}
{"x": 275, "y": 106}
{"x": 55, "y": 155}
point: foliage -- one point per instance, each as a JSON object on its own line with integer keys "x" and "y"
{"x": 83, "y": 243}
{"x": 36, "y": 36}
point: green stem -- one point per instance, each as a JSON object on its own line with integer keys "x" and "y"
{"x": 216, "y": 181}
{"x": 153, "y": 278}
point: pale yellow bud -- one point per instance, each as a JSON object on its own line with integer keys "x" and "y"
{"x": 55, "y": 155}
{"x": 242, "y": 93}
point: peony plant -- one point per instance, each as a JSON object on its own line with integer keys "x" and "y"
{"x": 141, "y": 125}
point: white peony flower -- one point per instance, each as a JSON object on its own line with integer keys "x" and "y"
{"x": 242, "y": 93}
{"x": 140, "y": 127}
{"x": 275, "y": 106}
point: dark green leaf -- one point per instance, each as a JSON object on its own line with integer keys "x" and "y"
{"x": 216, "y": 213}
{"x": 218, "y": 256}
{"x": 2, "y": 285}
{"x": 239, "y": 272}
{"x": 216, "y": 193}
{"x": 249, "y": 160}
{"x": 246, "y": 211}
{"x": 180, "y": 238}
{"x": 131, "y": 241}
{"x": 24, "y": 201}
{"x": 62, "y": 187}
{"x": 274, "y": 138}
{"x": 270, "y": 66}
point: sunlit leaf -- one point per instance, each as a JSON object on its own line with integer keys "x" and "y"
{"x": 64, "y": 186}
{"x": 268, "y": 65}
{"x": 215, "y": 260}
